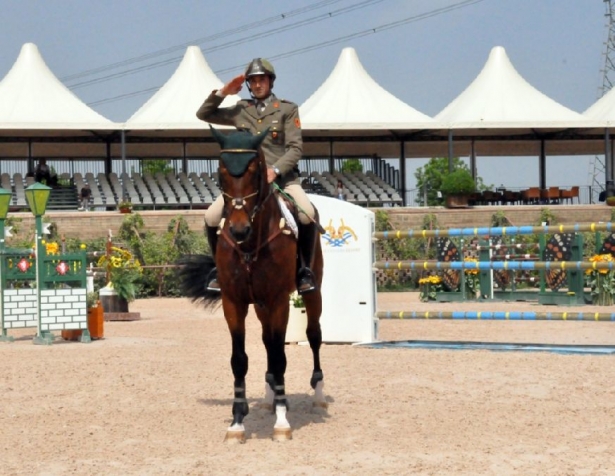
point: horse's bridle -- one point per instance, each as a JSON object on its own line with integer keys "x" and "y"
{"x": 240, "y": 202}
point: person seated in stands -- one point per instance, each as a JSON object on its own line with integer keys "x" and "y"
{"x": 44, "y": 174}
{"x": 339, "y": 191}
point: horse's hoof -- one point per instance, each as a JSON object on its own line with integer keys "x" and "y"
{"x": 282, "y": 434}
{"x": 235, "y": 437}
{"x": 323, "y": 405}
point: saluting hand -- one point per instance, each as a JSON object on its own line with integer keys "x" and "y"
{"x": 234, "y": 85}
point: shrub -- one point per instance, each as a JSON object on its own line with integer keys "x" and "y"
{"x": 458, "y": 182}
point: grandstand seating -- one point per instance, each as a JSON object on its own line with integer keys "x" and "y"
{"x": 198, "y": 190}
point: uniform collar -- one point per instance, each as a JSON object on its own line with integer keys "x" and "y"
{"x": 272, "y": 103}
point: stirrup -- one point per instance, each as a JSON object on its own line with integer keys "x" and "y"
{"x": 306, "y": 282}
{"x": 213, "y": 284}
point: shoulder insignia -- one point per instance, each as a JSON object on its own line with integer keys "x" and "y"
{"x": 297, "y": 123}
{"x": 276, "y": 104}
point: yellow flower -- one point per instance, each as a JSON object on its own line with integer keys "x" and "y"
{"x": 52, "y": 248}
{"x": 471, "y": 271}
{"x": 600, "y": 259}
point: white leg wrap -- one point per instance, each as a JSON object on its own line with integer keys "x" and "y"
{"x": 236, "y": 427}
{"x": 280, "y": 420}
{"x": 319, "y": 395}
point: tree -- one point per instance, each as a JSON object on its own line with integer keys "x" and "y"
{"x": 157, "y": 165}
{"x": 429, "y": 179}
{"x": 352, "y": 165}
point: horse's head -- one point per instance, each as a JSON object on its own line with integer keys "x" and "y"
{"x": 243, "y": 179}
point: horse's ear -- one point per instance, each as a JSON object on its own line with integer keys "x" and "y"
{"x": 259, "y": 138}
{"x": 220, "y": 138}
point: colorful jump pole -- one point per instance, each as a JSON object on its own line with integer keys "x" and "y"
{"x": 499, "y": 316}
{"x": 495, "y": 231}
{"x": 505, "y": 265}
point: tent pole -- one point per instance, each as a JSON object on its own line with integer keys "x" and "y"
{"x": 608, "y": 157}
{"x": 450, "y": 150}
{"x": 473, "y": 160}
{"x": 124, "y": 197}
{"x": 331, "y": 164}
{"x": 542, "y": 166}
{"x": 402, "y": 171}
{"x": 184, "y": 160}
{"x": 30, "y": 161}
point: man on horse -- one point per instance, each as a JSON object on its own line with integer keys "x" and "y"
{"x": 282, "y": 147}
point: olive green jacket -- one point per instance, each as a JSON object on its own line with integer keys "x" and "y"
{"x": 283, "y": 145}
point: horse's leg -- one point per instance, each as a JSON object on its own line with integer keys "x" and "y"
{"x": 313, "y": 308}
{"x": 269, "y": 393}
{"x": 274, "y": 319}
{"x": 235, "y": 314}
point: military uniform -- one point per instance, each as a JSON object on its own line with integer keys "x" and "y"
{"x": 282, "y": 147}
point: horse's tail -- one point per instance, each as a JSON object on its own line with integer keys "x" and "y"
{"x": 193, "y": 281}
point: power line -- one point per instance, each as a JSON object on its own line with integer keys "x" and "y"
{"x": 370, "y": 31}
{"x": 215, "y": 36}
{"x": 247, "y": 39}
{"x": 367, "y": 32}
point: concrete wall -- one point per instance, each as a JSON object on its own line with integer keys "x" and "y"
{"x": 88, "y": 225}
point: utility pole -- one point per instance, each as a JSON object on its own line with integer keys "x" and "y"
{"x": 598, "y": 165}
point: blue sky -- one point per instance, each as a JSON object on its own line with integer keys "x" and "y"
{"x": 557, "y": 45}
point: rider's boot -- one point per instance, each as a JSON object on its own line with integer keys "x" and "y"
{"x": 212, "y": 279}
{"x": 308, "y": 234}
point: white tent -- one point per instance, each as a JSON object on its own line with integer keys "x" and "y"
{"x": 40, "y": 117}
{"x": 351, "y": 114}
{"x": 500, "y": 97}
{"x": 501, "y": 114}
{"x": 166, "y": 125}
{"x": 603, "y": 109}
{"x": 350, "y": 99}
{"x": 175, "y": 104}
{"x": 31, "y": 97}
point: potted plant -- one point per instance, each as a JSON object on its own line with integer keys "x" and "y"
{"x": 429, "y": 288}
{"x": 457, "y": 188}
{"x": 123, "y": 271}
{"x": 95, "y": 320}
{"x": 95, "y": 316}
{"x": 610, "y": 201}
{"x": 297, "y": 320}
{"x": 601, "y": 281}
{"x": 125, "y": 206}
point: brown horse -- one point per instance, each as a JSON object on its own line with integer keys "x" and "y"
{"x": 257, "y": 260}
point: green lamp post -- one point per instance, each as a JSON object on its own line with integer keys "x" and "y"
{"x": 5, "y": 201}
{"x": 37, "y": 196}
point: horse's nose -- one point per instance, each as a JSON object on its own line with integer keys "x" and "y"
{"x": 240, "y": 233}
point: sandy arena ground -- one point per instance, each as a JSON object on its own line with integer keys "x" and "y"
{"x": 154, "y": 398}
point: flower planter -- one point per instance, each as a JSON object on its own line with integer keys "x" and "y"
{"x": 96, "y": 321}
{"x": 95, "y": 325}
{"x": 458, "y": 201}
{"x": 297, "y": 325}
{"x": 125, "y": 210}
{"x": 115, "y": 307}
